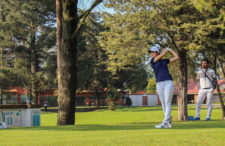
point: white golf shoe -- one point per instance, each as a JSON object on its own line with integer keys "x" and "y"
{"x": 163, "y": 125}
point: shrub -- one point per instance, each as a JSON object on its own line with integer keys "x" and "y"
{"x": 128, "y": 101}
{"x": 111, "y": 104}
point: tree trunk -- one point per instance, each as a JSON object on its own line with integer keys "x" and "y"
{"x": 2, "y": 61}
{"x": 1, "y": 49}
{"x": 97, "y": 101}
{"x": 27, "y": 95}
{"x": 182, "y": 99}
{"x": 33, "y": 68}
{"x": 218, "y": 90}
{"x": 222, "y": 72}
{"x": 67, "y": 21}
{"x": 1, "y": 96}
{"x": 67, "y": 63}
{"x": 221, "y": 101}
{"x": 0, "y": 12}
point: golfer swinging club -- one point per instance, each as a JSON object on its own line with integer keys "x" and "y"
{"x": 164, "y": 85}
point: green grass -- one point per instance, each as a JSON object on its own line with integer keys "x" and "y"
{"x": 76, "y": 107}
{"x": 132, "y": 126}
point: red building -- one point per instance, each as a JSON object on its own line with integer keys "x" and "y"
{"x": 17, "y": 95}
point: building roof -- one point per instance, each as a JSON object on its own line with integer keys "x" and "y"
{"x": 193, "y": 87}
{"x": 139, "y": 93}
{"x": 17, "y": 90}
{"x": 10, "y": 91}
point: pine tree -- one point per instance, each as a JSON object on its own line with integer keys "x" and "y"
{"x": 92, "y": 73}
{"x": 28, "y": 23}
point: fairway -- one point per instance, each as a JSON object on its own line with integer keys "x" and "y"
{"x": 124, "y": 126}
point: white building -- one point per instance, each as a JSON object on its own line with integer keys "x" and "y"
{"x": 144, "y": 99}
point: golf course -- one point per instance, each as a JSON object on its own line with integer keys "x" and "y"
{"x": 124, "y": 126}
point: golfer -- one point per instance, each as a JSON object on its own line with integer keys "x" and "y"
{"x": 205, "y": 76}
{"x": 164, "y": 85}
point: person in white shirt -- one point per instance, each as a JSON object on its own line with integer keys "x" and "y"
{"x": 205, "y": 77}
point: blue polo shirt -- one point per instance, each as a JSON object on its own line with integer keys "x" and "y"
{"x": 161, "y": 69}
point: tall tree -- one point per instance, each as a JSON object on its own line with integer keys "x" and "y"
{"x": 69, "y": 24}
{"x": 26, "y": 23}
{"x": 48, "y": 73}
{"x": 172, "y": 23}
{"x": 212, "y": 37}
{"x": 92, "y": 73}
{"x": 7, "y": 79}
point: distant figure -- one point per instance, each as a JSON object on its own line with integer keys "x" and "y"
{"x": 164, "y": 85}
{"x": 205, "y": 78}
{"x": 46, "y": 106}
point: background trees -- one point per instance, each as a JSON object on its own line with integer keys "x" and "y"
{"x": 211, "y": 36}
{"x": 109, "y": 50}
{"x": 28, "y": 24}
{"x": 92, "y": 73}
{"x": 175, "y": 24}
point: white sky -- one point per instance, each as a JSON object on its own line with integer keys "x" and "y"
{"x": 85, "y": 4}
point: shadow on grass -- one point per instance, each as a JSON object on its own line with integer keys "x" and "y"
{"x": 130, "y": 126}
{"x": 139, "y": 109}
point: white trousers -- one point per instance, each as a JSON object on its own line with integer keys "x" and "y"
{"x": 203, "y": 93}
{"x": 165, "y": 91}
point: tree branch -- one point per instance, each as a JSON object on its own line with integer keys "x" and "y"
{"x": 84, "y": 16}
{"x": 222, "y": 73}
{"x": 173, "y": 41}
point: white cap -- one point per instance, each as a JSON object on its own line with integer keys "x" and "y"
{"x": 155, "y": 48}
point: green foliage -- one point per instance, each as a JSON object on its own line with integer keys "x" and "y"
{"x": 128, "y": 101}
{"x": 27, "y": 28}
{"x": 151, "y": 87}
{"x": 122, "y": 43}
{"x": 22, "y": 71}
{"x": 169, "y": 23}
{"x": 92, "y": 73}
{"x": 124, "y": 50}
{"x": 111, "y": 104}
{"x": 93, "y": 62}
{"x": 212, "y": 34}
{"x": 48, "y": 75}
{"x": 137, "y": 25}
{"x": 176, "y": 24}
{"x": 111, "y": 96}
{"x": 209, "y": 5}
{"x": 21, "y": 19}
{"x": 7, "y": 78}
